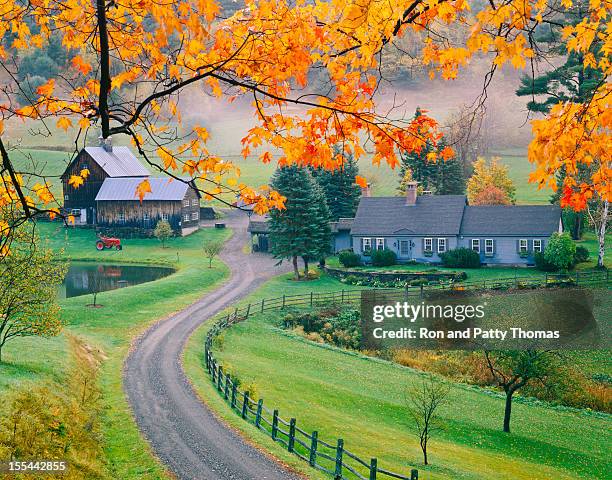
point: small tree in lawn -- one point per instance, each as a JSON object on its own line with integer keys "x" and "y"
{"x": 423, "y": 401}
{"x": 513, "y": 369}
{"x": 211, "y": 250}
{"x": 560, "y": 251}
{"x": 163, "y": 231}
{"x": 301, "y": 229}
{"x": 30, "y": 277}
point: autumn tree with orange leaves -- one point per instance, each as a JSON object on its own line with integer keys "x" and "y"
{"x": 132, "y": 59}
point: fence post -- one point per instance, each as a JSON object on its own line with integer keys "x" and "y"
{"x": 235, "y": 314}
{"x": 373, "y": 468}
{"x": 283, "y": 300}
{"x": 214, "y": 371}
{"x": 206, "y": 356}
{"x": 219, "y": 377}
{"x": 234, "y": 391}
{"x": 414, "y": 474}
{"x": 339, "y": 451}
{"x": 248, "y": 310}
{"x": 263, "y": 301}
{"x": 274, "y": 424}
{"x": 291, "y": 442}
{"x": 245, "y": 404}
{"x": 227, "y": 382}
{"x": 258, "y": 414}
{"x": 313, "y": 448}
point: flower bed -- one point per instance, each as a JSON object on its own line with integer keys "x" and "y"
{"x": 393, "y": 278}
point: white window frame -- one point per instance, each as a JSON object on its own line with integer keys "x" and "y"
{"x": 366, "y": 244}
{"x": 195, "y": 216}
{"x": 537, "y": 248}
{"x": 476, "y": 244}
{"x": 186, "y": 202}
{"x": 430, "y": 241}
{"x": 66, "y": 197}
{"x": 442, "y": 244}
{"x": 194, "y": 202}
{"x": 523, "y": 245}
{"x": 121, "y": 217}
{"x": 380, "y": 243}
{"x": 164, "y": 216}
{"x": 146, "y": 217}
{"x": 489, "y": 247}
{"x": 186, "y": 217}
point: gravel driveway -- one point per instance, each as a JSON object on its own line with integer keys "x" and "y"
{"x": 181, "y": 430}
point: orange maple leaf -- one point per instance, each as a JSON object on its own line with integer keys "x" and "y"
{"x": 362, "y": 182}
{"x": 142, "y": 189}
{"x": 81, "y": 65}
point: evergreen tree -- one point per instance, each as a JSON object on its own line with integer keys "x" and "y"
{"x": 443, "y": 177}
{"x": 302, "y": 228}
{"x": 339, "y": 187}
{"x": 572, "y": 81}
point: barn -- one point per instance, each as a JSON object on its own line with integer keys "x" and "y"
{"x": 107, "y": 200}
{"x": 104, "y": 161}
{"x": 175, "y": 201}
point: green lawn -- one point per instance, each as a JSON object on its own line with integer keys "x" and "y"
{"x": 125, "y": 314}
{"x": 362, "y": 400}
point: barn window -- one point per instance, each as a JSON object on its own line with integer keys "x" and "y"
{"x": 145, "y": 217}
{"x": 121, "y": 217}
{"x": 186, "y": 217}
{"x": 186, "y": 202}
{"x": 195, "y": 216}
{"x": 194, "y": 202}
{"x": 164, "y": 216}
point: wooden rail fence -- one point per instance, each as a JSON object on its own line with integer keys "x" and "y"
{"x": 334, "y": 458}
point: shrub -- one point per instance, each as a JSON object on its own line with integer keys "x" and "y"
{"x": 461, "y": 258}
{"x": 582, "y": 254}
{"x": 560, "y": 251}
{"x": 348, "y": 258}
{"x": 384, "y": 258}
{"x": 543, "y": 264}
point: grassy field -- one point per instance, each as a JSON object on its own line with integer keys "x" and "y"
{"x": 362, "y": 400}
{"x": 125, "y": 314}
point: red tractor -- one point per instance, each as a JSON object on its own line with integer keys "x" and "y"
{"x": 108, "y": 242}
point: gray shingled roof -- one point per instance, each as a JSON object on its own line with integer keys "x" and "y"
{"x": 431, "y": 215}
{"x": 125, "y": 189}
{"x": 258, "y": 224}
{"x": 343, "y": 224}
{"x": 121, "y": 162}
{"x": 511, "y": 220}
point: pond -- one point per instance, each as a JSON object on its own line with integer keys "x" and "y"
{"x": 84, "y": 278}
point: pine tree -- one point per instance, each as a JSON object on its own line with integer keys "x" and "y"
{"x": 339, "y": 187}
{"x": 302, "y": 228}
{"x": 443, "y": 177}
{"x": 571, "y": 81}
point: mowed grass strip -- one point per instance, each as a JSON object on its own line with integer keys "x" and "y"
{"x": 125, "y": 314}
{"x": 363, "y": 401}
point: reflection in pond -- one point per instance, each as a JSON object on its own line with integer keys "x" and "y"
{"x": 85, "y": 278}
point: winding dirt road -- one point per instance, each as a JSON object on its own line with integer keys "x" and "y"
{"x": 182, "y": 431}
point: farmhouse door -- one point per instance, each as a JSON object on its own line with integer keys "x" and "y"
{"x": 405, "y": 250}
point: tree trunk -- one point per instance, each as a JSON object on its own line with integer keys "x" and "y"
{"x": 105, "y": 78}
{"x": 601, "y": 235}
{"x": 577, "y": 226}
{"x": 508, "y": 410}
{"x": 296, "y": 271}
{"x": 210, "y": 262}
{"x": 424, "y": 448}
{"x": 305, "y": 259}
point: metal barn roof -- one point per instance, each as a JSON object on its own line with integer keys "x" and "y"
{"x": 125, "y": 189}
{"x": 119, "y": 162}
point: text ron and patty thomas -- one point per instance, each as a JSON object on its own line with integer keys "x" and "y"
{"x": 459, "y": 313}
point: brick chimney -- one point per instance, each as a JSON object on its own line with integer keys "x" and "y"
{"x": 366, "y": 191}
{"x": 411, "y": 193}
